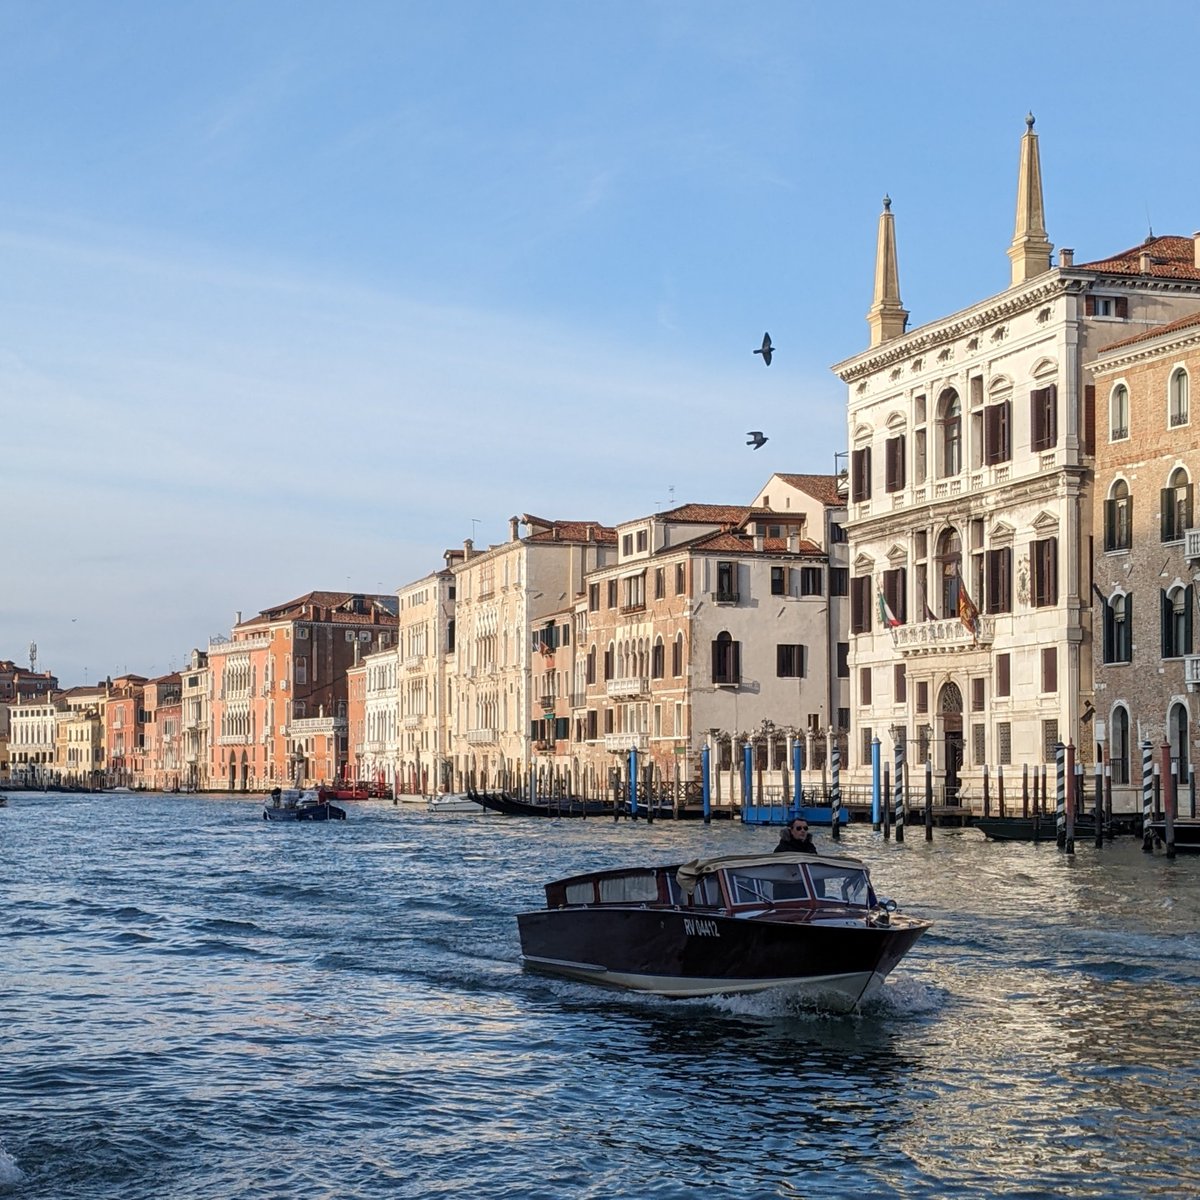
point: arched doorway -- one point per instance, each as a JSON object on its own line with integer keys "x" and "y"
{"x": 950, "y": 709}
{"x": 1178, "y": 726}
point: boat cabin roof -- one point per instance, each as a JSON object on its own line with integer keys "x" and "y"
{"x": 696, "y": 883}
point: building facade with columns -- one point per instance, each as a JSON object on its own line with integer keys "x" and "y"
{"x": 971, "y": 443}
{"x": 1146, "y": 552}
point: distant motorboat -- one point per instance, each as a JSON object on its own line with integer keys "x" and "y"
{"x": 294, "y": 804}
{"x": 454, "y": 802}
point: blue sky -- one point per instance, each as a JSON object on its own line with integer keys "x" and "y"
{"x": 298, "y": 295}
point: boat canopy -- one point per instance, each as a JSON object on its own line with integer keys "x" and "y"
{"x": 692, "y": 872}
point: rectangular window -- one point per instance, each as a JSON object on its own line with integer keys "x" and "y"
{"x": 592, "y": 725}
{"x": 998, "y": 576}
{"x": 626, "y": 544}
{"x": 868, "y": 737}
{"x": 1043, "y": 418}
{"x": 658, "y": 656}
{"x": 727, "y": 590}
{"x": 895, "y": 592}
{"x": 860, "y": 474}
{"x": 1003, "y": 675}
{"x": 899, "y": 683}
{"x": 680, "y": 578}
{"x": 779, "y": 581}
{"x": 922, "y": 696}
{"x": 612, "y": 593}
{"x": 978, "y": 691}
{"x": 860, "y": 604}
{"x": 1049, "y": 740}
{"x": 726, "y": 660}
{"x": 641, "y": 539}
{"x": 301, "y": 670}
{"x": 1044, "y": 561}
{"x": 839, "y": 581}
{"x": 919, "y": 468}
{"x": 677, "y": 658}
{"x": 790, "y": 661}
{"x": 608, "y": 720}
{"x": 997, "y": 435}
{"x": 660, "y": 583}
{"x": 811, "y": 579}
{"x": 1049, "y": 668}
{"x": 893, "y": 462}
{"x": 843, "y": 660}
{"x": 978, "y": 745}
{"x": 1004, "y": 743}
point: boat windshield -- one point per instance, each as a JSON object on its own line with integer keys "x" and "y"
{"x": 849, "y": 885}
{"x": 767, "y": 884}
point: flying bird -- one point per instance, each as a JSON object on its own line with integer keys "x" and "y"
{"x": 766, "y": 349}
{"x": 756, "y": 438}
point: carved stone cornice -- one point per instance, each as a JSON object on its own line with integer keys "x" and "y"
{"x": 1179, "y": 341}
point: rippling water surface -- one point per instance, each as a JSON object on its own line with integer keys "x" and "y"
{"x": 197, "y": 1003}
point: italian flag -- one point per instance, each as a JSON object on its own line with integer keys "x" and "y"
{"x": 885, "y": 613}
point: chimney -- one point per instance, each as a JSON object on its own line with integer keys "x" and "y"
{"x": 1144, "y": 262}
{"x": 468, "y": 548}
{"x": 793, "y": 541}
{"x": 237, "y": 617}
{"x": 758, "y": 539}
{"x": 514, "y": 529}
{"x": 589, "y": 528}
{"x": 1196, "y": 249}
{"x": 1066, "y": 257}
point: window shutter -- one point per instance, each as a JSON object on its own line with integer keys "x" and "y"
{"x": 1110, "y": 630}
{"x": 1187, "y": 510}
{"x": 1186, "y": 648}
{"x": 1127, "y": 648}
{"x": 1052, "y": 550}
{"x": 1037, "y": 413}
{"x": 1111, "y": 537}
{"x": 736, "y": 655}
{"x": 803, "y": 664}
{"x": 1002, "y": 675}
{"x": 1051, "y": 394}
{"x": 1089, "y": 306}
{"x": 1164, "y": 623}
{"x": 1166, "y": 506}
{"x": 1122, "y": 306}
{"x": 1089, "y": 419}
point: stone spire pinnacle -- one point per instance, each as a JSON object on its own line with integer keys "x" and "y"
{"x": 1030, "y": 249}
{"x": 887, "y": 318}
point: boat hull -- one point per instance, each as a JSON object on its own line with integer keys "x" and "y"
{"x": 306, "y": 812}
{"x": 681, "y": 953}
{"x": 1186, "y": 833}
{"x": 1029, "y": 829}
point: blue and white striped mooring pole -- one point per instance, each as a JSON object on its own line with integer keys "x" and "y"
{"x": 747, "y": 774}
{"x": 1147, "y": 796}
{"x": 1060, "y": 795}
{"x": 835, "y": 790}
{"x": 898, "y": 784}
{"x": 706, "y": 781}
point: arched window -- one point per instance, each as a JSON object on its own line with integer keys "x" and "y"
{"x": 1177, "y": 622}
{"x": 950, "y": 432}
{"x": 1177, "y": 401}
{"x": 1118, "y": 517}
{"x": 1178, "y": 726}
{"x": 726, "y": 659}
{"x": 658, "y": 660}
{"x": 1176, "y": 506}
{"x": 1118, "y": 747}
{"x": 1118, "y": 414}
{"x": 677, "y": 656}
{"x": 949, "y": 566}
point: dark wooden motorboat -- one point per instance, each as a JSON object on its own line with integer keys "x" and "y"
{"x": 293, "y": 804}
{"x": 810, "y": 924}
{"x": 1043, "y": 828}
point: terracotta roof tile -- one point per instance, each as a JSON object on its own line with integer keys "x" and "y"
{"x": 820, "y": 487}
{"x": 571, "y": 531}
{"x": 1147, "y": 335}
{"x": 1171, "y": 257}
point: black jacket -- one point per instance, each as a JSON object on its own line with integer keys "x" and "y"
{"x": 789, "y": 845}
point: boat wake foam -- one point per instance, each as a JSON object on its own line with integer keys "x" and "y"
{"x": 10, "y": 1173}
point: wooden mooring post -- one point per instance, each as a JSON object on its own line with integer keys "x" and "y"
{"x": 1168, "y": 799}
{"x": 929, "y": 799}
{"x": 1098, "y": 804}
{"x": 887, "y": 808}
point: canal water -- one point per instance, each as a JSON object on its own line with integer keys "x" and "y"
{"x": 198, "y": 1003}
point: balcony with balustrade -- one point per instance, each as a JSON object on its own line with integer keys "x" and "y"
{"x": 1191, "y": 543}
{"x": 616, "y": 743}
{"x": 637, "y": 685}
{"x": 477, "y": 737}
{"x": 1191, "y": 672}
{"x": 943, "y": 637}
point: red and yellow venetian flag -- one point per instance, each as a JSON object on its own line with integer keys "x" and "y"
{"x": 968, "y": 614}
